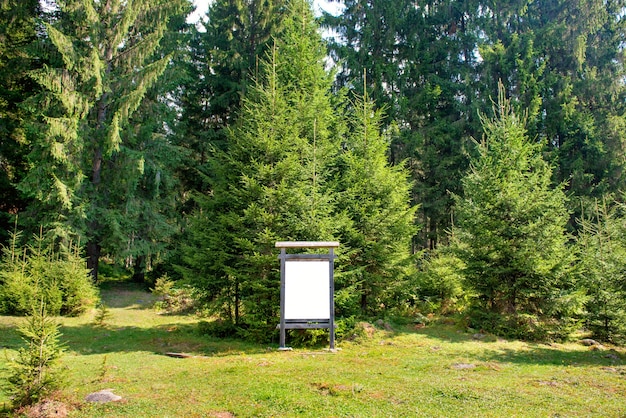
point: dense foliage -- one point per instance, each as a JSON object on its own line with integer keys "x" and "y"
{"x": 90, "y": 160}
{"x": 189, "y": 149}
{"x": 18, "y": 34}
{"x": 286, "y": 175}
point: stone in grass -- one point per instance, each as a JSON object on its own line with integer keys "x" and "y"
{"x": 463, "y": 366}
{"x": 103, "y": 396}
{"x": 589, "y": 342}
{"x": 383, "y": 324}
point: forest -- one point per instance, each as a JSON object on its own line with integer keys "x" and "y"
{"x": 468, "y": 155}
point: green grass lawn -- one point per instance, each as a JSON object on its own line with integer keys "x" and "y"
{"x": 437, "y": 371}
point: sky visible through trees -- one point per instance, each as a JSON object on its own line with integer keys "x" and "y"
{"x": 318, "y": 5}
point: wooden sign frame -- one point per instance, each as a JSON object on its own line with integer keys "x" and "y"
{"x": 307, "y": 288}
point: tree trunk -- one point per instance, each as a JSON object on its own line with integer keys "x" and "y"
{"x": 363, "y": 298}
{"x": 236, "y": 301}
{"x": 93, "y": 258}
{"x": 93, "y": 246}
{"x": 139, "y": 269}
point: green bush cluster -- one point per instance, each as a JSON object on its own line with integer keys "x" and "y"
{"x": 440, "y": 283}
{"x": 39, "y": 272}
{"x": 172, "y": 297}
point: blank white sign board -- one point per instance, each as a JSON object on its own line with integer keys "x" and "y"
{"x": 307, "y": 289}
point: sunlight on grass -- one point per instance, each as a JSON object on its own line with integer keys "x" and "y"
{"x": 434, "y": 371}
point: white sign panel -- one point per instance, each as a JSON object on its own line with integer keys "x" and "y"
{"x": 307, "y": 289}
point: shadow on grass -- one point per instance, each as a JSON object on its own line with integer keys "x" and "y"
{"x": 126, "y": 295}
{"x": 89, "y": 339}
{"x": 531, "y": 353}
{"x": 161, "y": 339}
{"x": 185, "y": 338}
{"x": 10, "y": 337}
{"x": 538, "y": 354}
{"x": 448, "y": 333}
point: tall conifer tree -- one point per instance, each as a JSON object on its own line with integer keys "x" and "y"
{"x": 416, "y": 61}
{"x": 375, "y": 197}
{"x": 511, "y": 231}
{"x": 224, "y": 57}
{"x": 18, "y": 33}
{"x": 272, "y": 183}
{"x": 106, "y": 61}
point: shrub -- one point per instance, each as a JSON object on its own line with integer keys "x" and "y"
{"x": 16, "y": 292}
{"x": 102, "y": 315}
{"x": 440, "y": 282}
{"x": 308, "y": 337}
{"x": 37, "y": 273}
{"x": 77, "y": 289}
{"x": 173, "y": 299}
{"x": 602, "y": 252}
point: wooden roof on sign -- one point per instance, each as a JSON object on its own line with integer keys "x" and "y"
{"x": 307, "y": 244}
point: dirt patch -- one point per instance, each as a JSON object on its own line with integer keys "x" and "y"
{"x": 221, "y": 414}
{"x": 361, "y": 331}
{"x": 365, "y": 329}
{"x": 329, "y": 389}
{"x": 552, "y": 383}
{"x": 463, "y": 366}
{"x": 46, "y": 409}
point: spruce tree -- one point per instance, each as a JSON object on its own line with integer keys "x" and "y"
{"x": 104, "y": 61}
{"x": 416, "y": 62}
{"x": 152, "y": 214}
{"x": 35, "y": 372}
{"x": 375, "y": 196}
{"x": 272, "y": 183}
{"x": 224, "y": 57}
{"x": 562, "y": 62}
{"x": 602, "y": 252}
{"x": 18, "y": 33}
{"x": 511, "y": 232}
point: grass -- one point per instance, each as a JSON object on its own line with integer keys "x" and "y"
{"x": 437, "y": 371}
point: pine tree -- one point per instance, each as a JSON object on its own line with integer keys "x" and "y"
{"x": 375, "y": 197}
{"x": 224, "y": 58}
{"x": 105, "y": 60}
{"x": 18, "y": 32}
{"x": 602, "y": 252}
{"x": 272, "y": 183}
{"x": 511, "y": 232}
{"x": 417, "y": 62}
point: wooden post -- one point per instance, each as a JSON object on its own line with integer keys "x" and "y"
{"x": 331, "y": 263}
{"x": 283, "y": 256}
